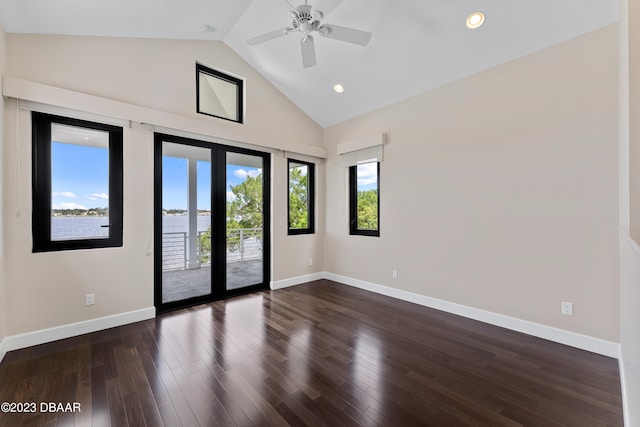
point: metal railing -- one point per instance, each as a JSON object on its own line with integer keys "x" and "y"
{"x": 243, "y": 244}
{"x": 174, "y": 251}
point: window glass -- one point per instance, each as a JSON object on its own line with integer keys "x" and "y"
{"x": 77, "y": 184}
{"x": 364, "y": 199}
{"x": 300, "y": 191}
{"x": 219, "y": 94}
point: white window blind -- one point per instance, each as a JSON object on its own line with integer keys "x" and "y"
{"x": 365, "y": 151}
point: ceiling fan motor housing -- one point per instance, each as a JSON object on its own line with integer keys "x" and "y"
{"x": 304, "y": 13}
{"x": 304, "y": 21}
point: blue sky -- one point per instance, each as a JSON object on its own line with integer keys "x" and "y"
{"x": 80, "y": 179}
{"x": 367, "y": 176}
{"x": 174, "y": 182}
{"x": 79, "y": 176}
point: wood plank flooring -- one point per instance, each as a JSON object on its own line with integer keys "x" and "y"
{"x": 318, "y": 354}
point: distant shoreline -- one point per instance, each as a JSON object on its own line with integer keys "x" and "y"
{"x": 79, "y": 216}
{"x": 64, "y": 227}
{"x": 94, "y": 214}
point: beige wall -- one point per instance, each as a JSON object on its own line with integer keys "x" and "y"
{"x": 45, "y": 290}
{"x": 629, "y": 329}
{"x": 3, "y": 153}
{"x": 629, "y": 248}
{"x": 634, "y": 110}
{"x": 48, "y": 289}
{"x": 292, "y": 253}
{"x": 158, "y": 74}
{"x": 498, "y": 191}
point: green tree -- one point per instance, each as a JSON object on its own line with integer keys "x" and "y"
{"x": 245, "y": 210}
{"x": 205, "y": 246}
{"x": 368, "y": 210}
{"x": 298, "y": 198}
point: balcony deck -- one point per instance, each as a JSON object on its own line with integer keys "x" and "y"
{"x": 182, "y": 284}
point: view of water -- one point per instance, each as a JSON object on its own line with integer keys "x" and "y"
{"x": 79, "y": 227}
{"x": 82, "y": 227}
{"x": 174, "y": 224}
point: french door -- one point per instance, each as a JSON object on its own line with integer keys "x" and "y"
{"x": 211, "y": 221}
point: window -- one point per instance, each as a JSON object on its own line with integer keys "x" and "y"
{"x": 219, "y": 94}
{"x": 364, "y": 199}
{"x": 77, "y": 184}
{"x": 301, "y": 194}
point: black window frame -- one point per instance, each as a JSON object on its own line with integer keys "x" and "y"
{"x": 42, "y": 188}
{"x": 311, "y": 173}
{"x": 225, "y": 77}
{"x": 353, "y": 203}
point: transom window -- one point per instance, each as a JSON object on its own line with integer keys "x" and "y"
{"x": 219, "y": 94}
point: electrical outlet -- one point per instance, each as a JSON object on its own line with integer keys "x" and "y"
{"x": 90, "y": 299}
{"x": 567, "y": 308}
{"x": 394, "y": 274}
{"x": 310, "y": 261}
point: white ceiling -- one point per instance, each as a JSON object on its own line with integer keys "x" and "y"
{"x": 417, "y": 45}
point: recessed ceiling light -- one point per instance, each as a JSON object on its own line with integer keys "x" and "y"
{"x": 338, "y": 88}
{"x": 475, "y": 20}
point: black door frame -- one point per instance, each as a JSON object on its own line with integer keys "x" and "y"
{"x": 218, "y": 222}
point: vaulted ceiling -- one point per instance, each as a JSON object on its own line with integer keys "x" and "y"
{"x": 417, "y": 45}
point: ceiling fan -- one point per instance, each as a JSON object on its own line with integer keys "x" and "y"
{"x": 305, "y": 22}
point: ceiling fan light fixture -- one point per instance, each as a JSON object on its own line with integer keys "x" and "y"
{"x": 475, "y": 20}
{"x": 338, "y": 88}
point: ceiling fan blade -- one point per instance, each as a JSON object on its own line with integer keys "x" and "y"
{"x": 308, "y": 52}
{"x": 267, "y": 36}
{"x": 345, "y": 34}
{"x": 326, "y": 6}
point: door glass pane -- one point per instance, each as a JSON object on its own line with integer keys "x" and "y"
{"x": 244, "y": 220}
{"x": 186, "y": 222}
{"x": 79, "y": 183}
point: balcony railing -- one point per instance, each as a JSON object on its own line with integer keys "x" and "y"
{"x": 174, "y": 251}
{"x": 243, "y": 244}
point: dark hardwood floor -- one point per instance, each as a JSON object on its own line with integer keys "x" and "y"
{"x": 319, "y": 354}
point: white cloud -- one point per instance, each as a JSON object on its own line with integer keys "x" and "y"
{"x": 69, "y": 206}
{"x": 67, "y": 194}
{"x": 367, "y": 173}
{"x": 99, "y": 196}
{"x": 243, "y": 174}
{"x": 230, "y": 196}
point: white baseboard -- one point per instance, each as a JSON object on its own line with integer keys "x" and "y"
{"x": 3, "y": 350}
{"x": 584, "y": 342}
{"x": 623, "y": 387}
{"x": 280, "y": 284}
{"x": 42, "y": 336}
